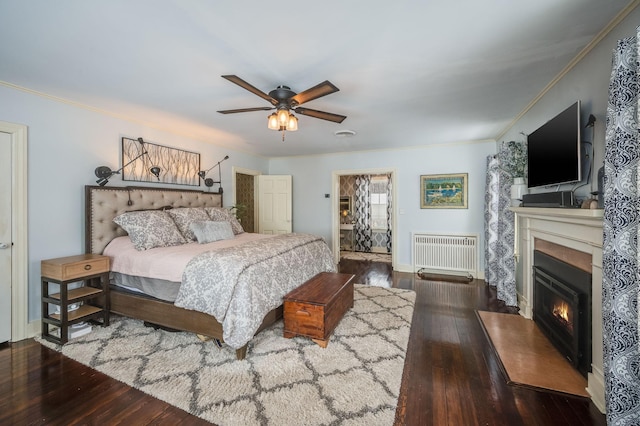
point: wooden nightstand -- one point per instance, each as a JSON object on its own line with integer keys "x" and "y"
{"x": 93, "y": 270}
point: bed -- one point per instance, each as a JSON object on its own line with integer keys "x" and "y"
{"x": 251, "y": 262}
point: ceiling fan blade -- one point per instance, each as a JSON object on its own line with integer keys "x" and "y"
{"x": 233, "y": 111}
{"x": 240, "y": 82}
{"x": 315, "y": 92}
{"x": 329, "y": 116}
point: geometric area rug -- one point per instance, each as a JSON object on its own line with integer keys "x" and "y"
{"x": 355, "y": 380}
{"x": 527, "y": 357}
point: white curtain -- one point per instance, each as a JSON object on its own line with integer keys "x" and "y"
{"x": 500, "y": 267}
{"x": 621, "y": 263}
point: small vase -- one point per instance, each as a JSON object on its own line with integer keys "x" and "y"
{"x": 518, "y": 189}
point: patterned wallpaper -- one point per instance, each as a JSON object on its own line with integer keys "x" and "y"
{"x": 347, "y": 186}
{"x": 245, "y": 196}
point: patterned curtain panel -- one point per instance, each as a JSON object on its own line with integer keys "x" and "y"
{"x": 500, "y": 267}
{"x": 389, "y": 210}
{"x": 362, "y": 208}
{"x": 620, "y": 240}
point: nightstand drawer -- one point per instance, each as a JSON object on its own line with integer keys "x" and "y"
{"x": 68, "y": 268}
{"x": 91, "y": 299}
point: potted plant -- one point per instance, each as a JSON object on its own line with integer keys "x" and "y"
{"x": 238, "y": 211}
{"x": 513, "y": 158}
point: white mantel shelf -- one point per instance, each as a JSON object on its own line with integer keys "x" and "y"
{"x": 559, "y": 213}
{"x": 579, "y": 229}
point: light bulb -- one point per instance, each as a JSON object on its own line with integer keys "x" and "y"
{"x": 273, "y": 122}
{"x": 292, "y": 125}
{"x": 283, "y": 117}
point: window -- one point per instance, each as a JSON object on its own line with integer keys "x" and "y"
{"x": 378, "y": 192}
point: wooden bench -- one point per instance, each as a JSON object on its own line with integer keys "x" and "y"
{"x": 316, "y": 307}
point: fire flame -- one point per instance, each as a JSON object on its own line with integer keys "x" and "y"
{"x": 561, "y": 310}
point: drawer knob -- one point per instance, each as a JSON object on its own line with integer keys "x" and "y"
{"x": 87, "y": 267}
{"x": 303, "y": 313}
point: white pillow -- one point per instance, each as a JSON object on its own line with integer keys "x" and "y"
{"x": 209, "y": 231}
{"x": 150, "y": 228}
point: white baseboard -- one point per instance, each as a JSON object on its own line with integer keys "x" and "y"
{"x": 595, "y": 387}
{"x": 404, "y": 268}
{"x": 34, "y": 328}
{"x": 524, "y": 306}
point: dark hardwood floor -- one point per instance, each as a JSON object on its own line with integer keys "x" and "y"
{"x": 451, "y": 375}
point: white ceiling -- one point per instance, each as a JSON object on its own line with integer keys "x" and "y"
{"x": 409, "y": 73}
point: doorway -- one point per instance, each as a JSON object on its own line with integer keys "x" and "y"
{"x": 245, "y": 198}
{"x": 249, "y": 186}
{"x": 14, "y": 140}
{"x": 364, "y": 224}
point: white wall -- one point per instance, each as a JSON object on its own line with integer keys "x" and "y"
{"x": 588, "y": 82}
{"x": 66, "y": 144}
{"x": 312, "y": 178}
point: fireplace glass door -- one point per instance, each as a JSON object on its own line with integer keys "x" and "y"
{"x": 556, "y": 306}
{"x": 562, "y": 308}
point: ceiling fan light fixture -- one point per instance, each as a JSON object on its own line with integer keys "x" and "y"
{"x": 283, "y": 116}
{"x": 273, "y": 122}
{"x": 292, "y": 125}
{"x": 285, "y": 100}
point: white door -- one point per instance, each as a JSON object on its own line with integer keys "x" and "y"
{"x": 274, "y": 204}
{"x": 5, "y": 237}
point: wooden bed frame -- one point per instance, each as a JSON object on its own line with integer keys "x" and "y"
{"x": 102, "y": 204}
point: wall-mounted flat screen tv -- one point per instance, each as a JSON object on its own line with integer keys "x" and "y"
{"x": 553, "y": 150}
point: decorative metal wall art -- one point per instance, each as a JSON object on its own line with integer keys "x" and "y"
{"x": 176, "y": 166}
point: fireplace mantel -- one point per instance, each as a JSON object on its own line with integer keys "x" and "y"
{"x": 579, "y": 229}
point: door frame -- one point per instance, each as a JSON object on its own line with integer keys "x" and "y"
{"x": 19, "y": 250}
{"x": 335, "y": 205}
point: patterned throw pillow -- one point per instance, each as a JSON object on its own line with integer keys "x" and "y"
{"x": 219, "y": 214}
{"x": 184, "y": 216}
{"x": 150, "y": 228}
{"x": 209, "y": 231}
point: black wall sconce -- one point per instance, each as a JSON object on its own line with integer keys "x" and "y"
{"x": 210, "y": 182}
{"x": 103, "y": 173}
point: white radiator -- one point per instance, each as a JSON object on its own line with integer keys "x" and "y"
{"x": 457, "y": 254}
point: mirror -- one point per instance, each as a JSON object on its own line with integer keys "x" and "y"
{"x": 345, "y": 205}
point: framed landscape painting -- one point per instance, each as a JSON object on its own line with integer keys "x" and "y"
{"x": 443, "y": 191}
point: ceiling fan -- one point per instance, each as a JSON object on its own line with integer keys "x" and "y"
{"x": 284, "y": 100}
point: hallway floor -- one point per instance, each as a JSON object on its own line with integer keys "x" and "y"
{"x": 368, "y": 257}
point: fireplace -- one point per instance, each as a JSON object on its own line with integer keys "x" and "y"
{"x": 579, "y": 233}
{"x": 562, "y": 308}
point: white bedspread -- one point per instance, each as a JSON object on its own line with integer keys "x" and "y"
{"x": 236, "y": 282}
{"x": 165, "y": 263}
{"x": 240, "y": 285}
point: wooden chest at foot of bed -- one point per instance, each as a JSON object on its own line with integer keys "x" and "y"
{"x": 316, "y": 307}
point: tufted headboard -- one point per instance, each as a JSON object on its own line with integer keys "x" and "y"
{"x": 102, "y": 204}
